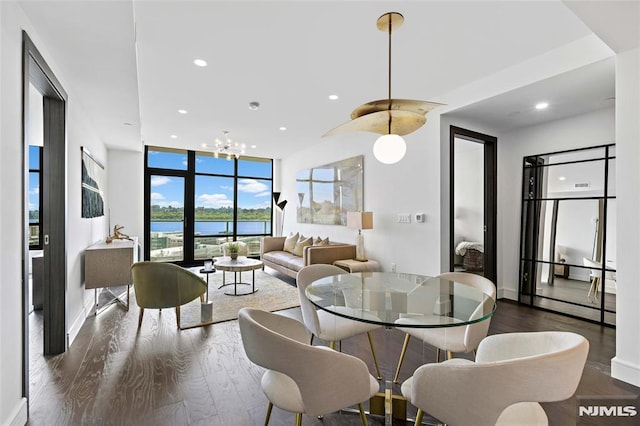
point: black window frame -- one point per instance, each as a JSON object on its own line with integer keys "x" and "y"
{"x": 189, "y": 175}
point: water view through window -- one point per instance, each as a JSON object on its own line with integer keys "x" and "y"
{"x": 198, "y": 202}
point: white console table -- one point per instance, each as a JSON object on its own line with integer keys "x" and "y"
{"x": 109, "y": 265}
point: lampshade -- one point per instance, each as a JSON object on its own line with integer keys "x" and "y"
{"x": 360, "y": 220}
{"x": 389, "y": 149}
{"x": 281, "y": 204}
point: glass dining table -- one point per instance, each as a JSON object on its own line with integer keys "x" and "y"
{"x": 393, "y": 300}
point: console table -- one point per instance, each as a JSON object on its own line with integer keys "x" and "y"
{"x": 109, "y": 265}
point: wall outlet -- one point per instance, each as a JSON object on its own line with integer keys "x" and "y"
{"x": 393, "y": 267}
{"x": 404, "y": 217}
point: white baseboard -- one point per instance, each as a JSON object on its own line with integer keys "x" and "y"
{"x": 18, "y": 416}
{"x": 625, "y": 371}
{"x": 507, "y": 293}
{"x": 76, "y": 324}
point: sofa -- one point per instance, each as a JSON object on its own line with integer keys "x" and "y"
{"x": 273, "y": 255}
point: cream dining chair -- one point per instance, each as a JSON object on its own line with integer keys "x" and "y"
{"x": 300, "y": 378}
{"x": 511, "y": 374}
{"x": 462, "y": 339}
{"x": 324, "y": 325}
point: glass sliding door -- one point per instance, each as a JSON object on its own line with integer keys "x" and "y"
{"x": 167, "y": 218}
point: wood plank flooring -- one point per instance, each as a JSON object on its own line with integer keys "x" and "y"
{"x": 114, "y": 374}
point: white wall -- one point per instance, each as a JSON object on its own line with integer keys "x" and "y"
{"x": 80, "y": 232}
{"x": 410, "y": 186}
{"x": 626, "y": 364}
{"x": 126, "y": 192}
{"x": 596, "y": 128}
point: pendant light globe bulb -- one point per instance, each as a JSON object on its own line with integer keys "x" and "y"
{"x": 389, "y": 149}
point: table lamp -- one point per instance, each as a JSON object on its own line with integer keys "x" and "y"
{"x": 360, "y": 221}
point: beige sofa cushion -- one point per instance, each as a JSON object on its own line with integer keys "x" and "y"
{"x": 301, "y": 244}
{"x": 290, "y": 242}
{"x": 320, "y": 242}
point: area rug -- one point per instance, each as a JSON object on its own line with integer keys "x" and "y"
{"x": 272, "y": 294}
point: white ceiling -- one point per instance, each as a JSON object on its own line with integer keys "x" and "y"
{"x": 132, "y": 62}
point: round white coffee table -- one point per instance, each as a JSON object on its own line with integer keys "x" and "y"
{"x": 238, "y": 266}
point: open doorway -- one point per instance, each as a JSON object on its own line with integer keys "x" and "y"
{"x": 473, "y": 202}
{"x": 44, "y": 186}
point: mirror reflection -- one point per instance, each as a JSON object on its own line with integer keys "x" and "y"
{"x": 569, "y": 232}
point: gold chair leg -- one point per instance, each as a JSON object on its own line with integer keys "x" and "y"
{"x": 202, "y": 298}
{"x": 437, "y": 354}
{"x": 298, "y": 419}
{"x": 475, "y": 352}
{"x": 402, "y": 354}
{"x": 449, "y": 354}
{"x": 375, "y": 360}
{"x": 332, "y": 345}
{"x": 311, "y": 340}
{"x": 140, "y": 316}
{"x": 178, "y": 315}
{"x": 363, "y": 416}
{"x": 419, "y": 415}
{"x": 269, "y": 408}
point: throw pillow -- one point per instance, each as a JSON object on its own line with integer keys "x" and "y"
{"x": 290, "y": 242}
{"x": 301, "y": 244}
{"x": 320, "y": 242}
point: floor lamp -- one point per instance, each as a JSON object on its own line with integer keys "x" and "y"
{"x": 360, "y": 221}
{"x": 280, "y": 205}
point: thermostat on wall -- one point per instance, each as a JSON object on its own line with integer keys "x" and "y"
{"x": 420, "y": 217}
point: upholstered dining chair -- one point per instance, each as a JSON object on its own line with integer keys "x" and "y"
{"x": 511, "y": 374}
{"x": 322, "y": 324}
{"x": 165, "y": 285}
{"x": 300, "y": 378}
{"x": 462, "y": 339}
{"x": 595, "y": 273}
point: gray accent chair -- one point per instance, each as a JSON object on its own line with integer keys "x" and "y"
{"x": 164, "y": 285}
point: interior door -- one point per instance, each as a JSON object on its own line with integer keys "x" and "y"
{"x": 473, "y": 202}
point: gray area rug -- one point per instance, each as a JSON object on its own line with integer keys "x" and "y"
{"x": 272, "y": 294}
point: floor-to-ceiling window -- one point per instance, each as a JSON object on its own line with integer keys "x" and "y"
{"x": 195, "y": 202}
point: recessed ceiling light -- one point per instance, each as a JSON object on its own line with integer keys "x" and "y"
{"x": 542, "y": 105}
{"x": 254, "y": 146}
{"x": 182, "y": 111}
{"x": 254, "y": 105}
{"x": 174, "y": 137}
{"x": 283, "y": 128}
{"x": 333, "y": 97}
{"x": 561, "y": 178}
{"x": 200, "y": 62}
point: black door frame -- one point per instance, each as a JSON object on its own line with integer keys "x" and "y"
{"x": 53, "y": 209}
{"x": 490, "y": 198}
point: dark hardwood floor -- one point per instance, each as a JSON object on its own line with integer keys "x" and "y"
{"x": 114, "y": 374}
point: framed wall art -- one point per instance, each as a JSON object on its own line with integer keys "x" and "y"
{"x": 93, "y": 181}
{"x": 326, "y": 193}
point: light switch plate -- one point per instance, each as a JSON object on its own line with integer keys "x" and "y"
{"x": 404, "y": 217}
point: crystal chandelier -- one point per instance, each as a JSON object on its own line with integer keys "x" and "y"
{"x": 226, "y": 148}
